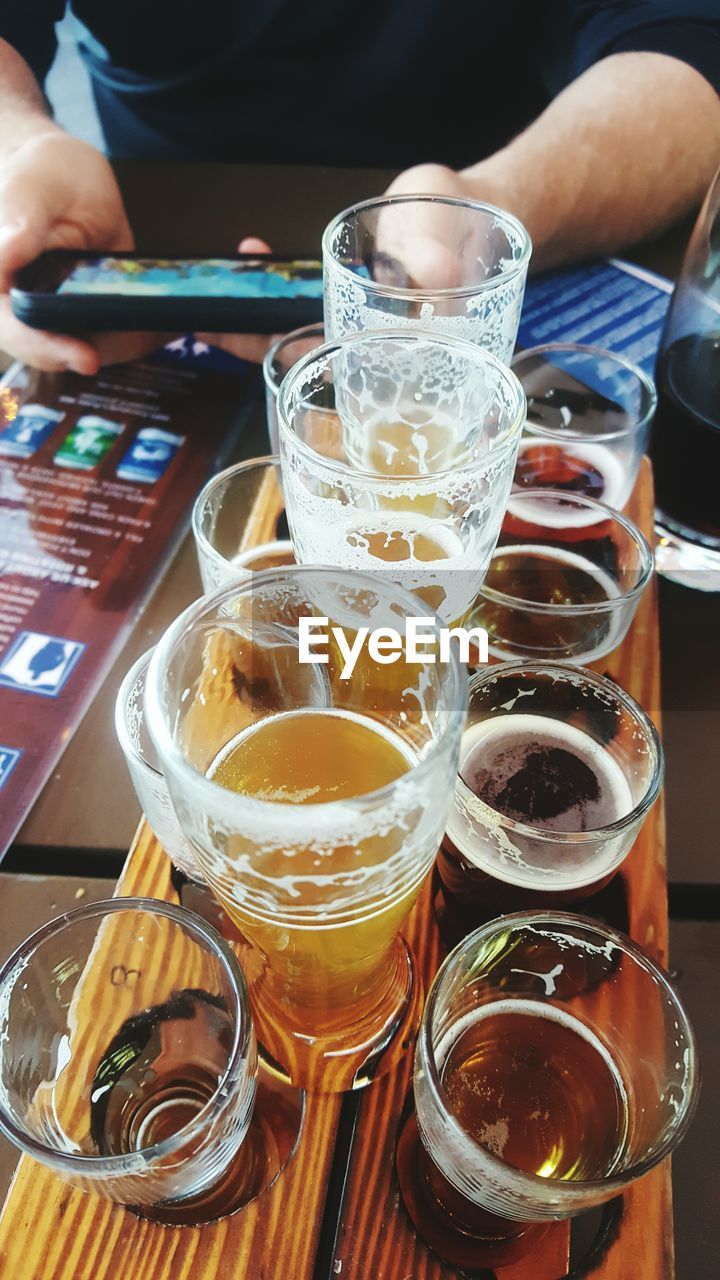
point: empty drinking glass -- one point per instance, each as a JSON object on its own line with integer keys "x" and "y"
{"x": 129, "y": 1061}
{"x": 433, "y": 262}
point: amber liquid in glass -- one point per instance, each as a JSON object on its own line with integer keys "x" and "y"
{"x": 538, "y": 1090}
{"x": 326, "y": 974}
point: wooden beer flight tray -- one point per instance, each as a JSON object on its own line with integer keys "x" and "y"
{"x": 335, "y": 1211}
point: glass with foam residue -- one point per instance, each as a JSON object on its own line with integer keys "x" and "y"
{"x": 450, "y": 266}
{"x": 314, "y": 803}
{"x": 559, "y": 768}
{"x": 589, "y": 413}
{"x": 555, "y": 1065}
{"x": 397, "y": 452}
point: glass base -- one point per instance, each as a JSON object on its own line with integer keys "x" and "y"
{"x": 268, "y": 1145}
{"x": 690, "y": 563}
{"x": 351, "y": 1048}
{"x": 501, "y": 1242}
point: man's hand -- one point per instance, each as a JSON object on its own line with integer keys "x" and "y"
{"x": 428, "y": 246}
{"x": 58, "y": 193}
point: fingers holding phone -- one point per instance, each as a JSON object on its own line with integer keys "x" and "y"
{"x": 55, "y": 192}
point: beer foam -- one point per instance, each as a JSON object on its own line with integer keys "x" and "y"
{"x": 435, "y": 557}
{"x": 488, "y": 840}
{"x": 280, "y": 551}
{"x": 504, "y": 745}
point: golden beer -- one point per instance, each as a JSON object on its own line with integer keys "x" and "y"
{"x": 336, "y": 970}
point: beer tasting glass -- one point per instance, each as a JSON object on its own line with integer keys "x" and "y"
{"x": 314, "y": 803}
{"x": 559, "y": 768}
{"x": 588, "y": 417}
{"x": 279, "y": 359}
{"x": 144, "y": 768}
{"x": 685, "y": 442}
{"x": 129, "y": 1059}
{"x": 398, "y": 451}
{"x": 445, "y": 265}
{"x": 234, "y": 522}
{"x": 565, "y": 579}
{"x": 555, "y": 1065}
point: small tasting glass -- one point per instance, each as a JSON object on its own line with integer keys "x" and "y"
{"x": 589, "y": 413}
{"x": 129, "y": 1060}
{"x": 565, "y": 578}
{"x": 235, "y": 522}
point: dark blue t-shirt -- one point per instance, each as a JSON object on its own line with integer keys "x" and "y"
{"x": 377, "y": 82}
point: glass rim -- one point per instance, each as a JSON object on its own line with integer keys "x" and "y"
{"x": 208, "y": 490}
{"x": 602, "y": 684}
{"x": 596, "y": 352}
{"x": 530, "y": 1181}
{"x": 122, "y": 733}
{"x": 295, "y": 335}
{"x": 426, "y": 294}
{"x": 345, "y": 470}
{"x": 237, "y": 802}
{"x": 635, "y": 534}
{"x": 75, "y": 1161}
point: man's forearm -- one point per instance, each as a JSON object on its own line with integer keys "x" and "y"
{"x": 627, "y": 148}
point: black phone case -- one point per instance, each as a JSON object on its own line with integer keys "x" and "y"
{"x": 171, "y": 315}
{"x": 73, "y": 313}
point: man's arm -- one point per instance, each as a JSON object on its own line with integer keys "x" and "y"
{"x": 623, "y": 151}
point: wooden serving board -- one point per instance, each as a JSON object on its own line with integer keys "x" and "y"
{"x": 336, "y": 1209}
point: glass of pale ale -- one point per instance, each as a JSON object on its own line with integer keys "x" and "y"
{"x": 314, "y": 800}
{"x": 129, "y": 1063}
{"x": 433, "y": 262}
{"x": 559, "y": 768}
{"x": 554, "y": 1066}
{"x": 237, "y": 522}
{"x": 398, "y": 450}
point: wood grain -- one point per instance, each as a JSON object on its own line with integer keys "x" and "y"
{"x": 375, "y": 1238}
{"x": 51, "y": 1232}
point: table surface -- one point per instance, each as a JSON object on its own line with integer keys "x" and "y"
{"x": 82, "y": 829}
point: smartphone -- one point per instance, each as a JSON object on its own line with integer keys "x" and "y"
{"x": 69, "y": 292}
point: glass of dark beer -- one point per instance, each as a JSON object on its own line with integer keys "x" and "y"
{"x": 589, "y": 413}
{"x": 685, "y": 443}
{"x": 554, "y": 1066}
{"x": 559, "y": 768}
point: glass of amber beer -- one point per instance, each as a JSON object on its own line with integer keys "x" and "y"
{"x": 398, "y": 450}
{"x": 314, "y": 803}
{"x": 555, "y": 1065}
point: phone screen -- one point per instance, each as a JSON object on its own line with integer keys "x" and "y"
{"x": 192, "y": 277}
